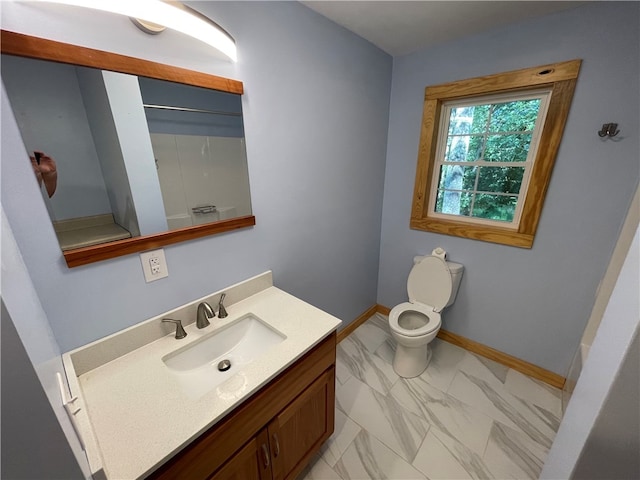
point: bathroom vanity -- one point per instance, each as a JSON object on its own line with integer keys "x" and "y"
{"x": 273, "y": 434}
{"x": 150, "y": 406}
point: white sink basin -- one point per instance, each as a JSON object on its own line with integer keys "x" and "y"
{"x": 242, "y": 342}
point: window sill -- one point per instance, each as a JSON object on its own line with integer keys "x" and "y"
{"x": 503, "y": 236}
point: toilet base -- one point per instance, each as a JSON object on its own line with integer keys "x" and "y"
{"x": 409, "y": 362}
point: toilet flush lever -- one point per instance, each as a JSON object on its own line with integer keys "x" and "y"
{"x": 440, "y": 253}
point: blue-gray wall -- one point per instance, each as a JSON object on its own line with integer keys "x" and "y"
{"x": 599, "y": 436}
{"x": 316, "y": 116}
{"x": 533, "y": 304}
{"x": 31, "y": 357}
{"x": 29, "y": 431}
{"x": 316, "y": 109}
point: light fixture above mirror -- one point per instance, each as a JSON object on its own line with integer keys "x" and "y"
{"x": 170, "y": 14}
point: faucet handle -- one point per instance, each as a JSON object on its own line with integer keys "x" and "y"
{"x": 222, "y": 312}
{"x": 205, "y": 312}
{"x": 180, "y": 333}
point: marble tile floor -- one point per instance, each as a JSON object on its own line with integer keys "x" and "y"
{"x": 464, "y": 417}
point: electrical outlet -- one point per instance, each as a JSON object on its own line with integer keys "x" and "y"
{"x": 156, "y": 268}
{"x": 154, "y": 265}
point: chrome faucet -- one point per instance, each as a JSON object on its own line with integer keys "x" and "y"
{"x": 180, "y": 333}
{"x": 222, "y": 312}
{"x": 205, "y": 312}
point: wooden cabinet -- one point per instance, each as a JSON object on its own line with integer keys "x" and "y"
{"x": 301, "y": 428}
{"x": 282, "y": 449}
{"x": 273, "y": 434}
{"x": 252, "y": 462}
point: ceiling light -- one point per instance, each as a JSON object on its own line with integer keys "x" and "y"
{"x": 170, "y": 14}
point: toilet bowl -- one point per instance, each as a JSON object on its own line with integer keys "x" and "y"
{"x": 432, "y": 285}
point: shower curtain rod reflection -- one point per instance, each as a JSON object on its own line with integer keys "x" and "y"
{"x": 193, "y": 110}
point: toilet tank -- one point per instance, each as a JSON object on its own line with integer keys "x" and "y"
{"x": 456, "y": 270}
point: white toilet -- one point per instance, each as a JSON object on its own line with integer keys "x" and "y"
{"x": 432, "y": 286}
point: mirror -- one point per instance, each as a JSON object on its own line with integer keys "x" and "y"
{"x": 146, "y": 154}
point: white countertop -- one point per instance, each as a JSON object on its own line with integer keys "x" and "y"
{"x": 138, "y": 413}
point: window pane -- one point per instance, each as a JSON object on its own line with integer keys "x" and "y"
{"x": 457, "y": 177}
{"x": 453, "y": 202}
{"x": 469, "y": 177}
{"x": 480, "y": 114}
{"x": 463, "y": 148}
{"x": 507, "y": 148}
{"x": 480, "y": 137}
{"x": 465, "y": 120}
{"x": 460, "y": 121}
{"x": 495, "y": 207}
{"x": 517, "y": 116}
{"x": 500, "y": 179}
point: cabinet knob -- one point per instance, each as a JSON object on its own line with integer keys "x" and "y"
{"x": 265, "y": 456}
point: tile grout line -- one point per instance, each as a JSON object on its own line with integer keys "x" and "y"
{"x": 418, "y": 451}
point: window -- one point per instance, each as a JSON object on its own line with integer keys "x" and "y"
{"x": 487, "y": 150}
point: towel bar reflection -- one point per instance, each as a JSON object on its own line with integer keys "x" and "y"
{"x": 192, "y": 110}
{"x": 204, "y": 209}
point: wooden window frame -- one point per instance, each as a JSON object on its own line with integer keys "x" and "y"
{"x": 561, "y": 79}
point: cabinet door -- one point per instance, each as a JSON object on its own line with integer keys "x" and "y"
{"x": 298, "y": 431}
{"x": 252, "y": 462}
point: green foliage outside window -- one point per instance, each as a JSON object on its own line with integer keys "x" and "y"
{"x": 498, "y": 133}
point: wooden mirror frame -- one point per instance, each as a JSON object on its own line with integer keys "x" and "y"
{"x": 18, "y": 44}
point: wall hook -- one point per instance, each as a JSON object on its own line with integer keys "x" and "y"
{"x": 609, "y": 130}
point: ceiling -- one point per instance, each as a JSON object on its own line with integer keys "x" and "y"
{"x": 402, "y": 27}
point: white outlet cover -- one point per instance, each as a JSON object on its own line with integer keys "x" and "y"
{"x": 160, "y": 270}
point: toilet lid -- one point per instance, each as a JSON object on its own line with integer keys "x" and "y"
{"x": 430, "y": 283}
